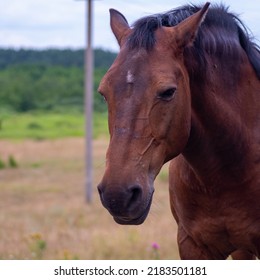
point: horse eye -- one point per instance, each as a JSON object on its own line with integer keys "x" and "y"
{"x": 168, "y": 94}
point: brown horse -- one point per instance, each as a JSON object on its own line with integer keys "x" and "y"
{"x": 185, "y": 87}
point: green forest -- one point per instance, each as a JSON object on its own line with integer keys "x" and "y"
{"x": 50, "y": 80}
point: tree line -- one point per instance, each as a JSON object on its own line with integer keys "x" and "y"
{"x": 54, "y": 57}
{"x": 51, "y": 79}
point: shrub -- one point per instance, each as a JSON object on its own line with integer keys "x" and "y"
{"x": 12, "y": 162}
{"x": 2, "y": 164}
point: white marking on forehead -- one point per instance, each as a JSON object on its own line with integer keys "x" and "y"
{"x": 129, "y": 77}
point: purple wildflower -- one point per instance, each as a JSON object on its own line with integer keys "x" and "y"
{"x": 155, "y": 246}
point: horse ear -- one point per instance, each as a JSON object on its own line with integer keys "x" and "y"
{"x": 119, "y": 25}
{"x": 188, "y": 28}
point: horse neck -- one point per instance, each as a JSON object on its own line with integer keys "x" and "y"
{"x": 224, "y": 119}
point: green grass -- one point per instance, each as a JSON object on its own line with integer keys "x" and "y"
{"x": 40, "y": 125}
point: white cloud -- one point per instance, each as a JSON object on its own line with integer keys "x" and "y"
{"x": 46, "y": 23}
{"x": 61, "y": 23}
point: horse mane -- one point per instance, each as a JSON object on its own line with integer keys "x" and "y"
{"x": 221, "y": 32}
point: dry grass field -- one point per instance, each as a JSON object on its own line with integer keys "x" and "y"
{"x": 43, "y": 213}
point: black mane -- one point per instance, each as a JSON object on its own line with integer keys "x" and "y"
{"x": 221, "y": 32}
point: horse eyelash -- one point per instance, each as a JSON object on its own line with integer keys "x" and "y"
{"x": 102, "y": 94}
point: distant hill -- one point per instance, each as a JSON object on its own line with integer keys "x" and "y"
{"x": 49, "y": 79}
{"x": 54, "y": 57}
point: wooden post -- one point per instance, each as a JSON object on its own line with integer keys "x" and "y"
{"x": 88, "y": 88}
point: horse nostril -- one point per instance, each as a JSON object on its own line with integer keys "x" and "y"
{"x": 120, "y": 202}
{"x": 135, "y": 195}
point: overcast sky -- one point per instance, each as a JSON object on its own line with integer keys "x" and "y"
{"x": 61, "y": 23}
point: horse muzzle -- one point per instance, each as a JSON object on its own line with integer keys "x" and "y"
{"x": 129, "y": 205}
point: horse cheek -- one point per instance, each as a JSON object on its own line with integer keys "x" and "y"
{"x": 170, "y": 125}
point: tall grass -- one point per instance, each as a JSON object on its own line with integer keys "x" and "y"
{"x": 44, "y": 214}
{"x": 43, "y": 211}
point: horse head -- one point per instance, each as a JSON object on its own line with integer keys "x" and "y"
{"x": 149, "y": 112}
